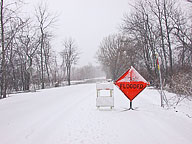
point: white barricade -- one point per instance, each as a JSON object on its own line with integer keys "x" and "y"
{"x": 105, "y": 100}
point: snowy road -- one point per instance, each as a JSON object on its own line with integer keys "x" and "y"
{"x": 68, "y": 115}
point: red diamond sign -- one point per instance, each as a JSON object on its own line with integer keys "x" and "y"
{"x": 131, "y": 83}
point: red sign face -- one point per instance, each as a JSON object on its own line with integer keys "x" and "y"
{"x": 131, "y": 83}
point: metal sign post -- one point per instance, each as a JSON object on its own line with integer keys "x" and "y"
{"x": 131, "y": 108}
{"x": 160, "y": 79}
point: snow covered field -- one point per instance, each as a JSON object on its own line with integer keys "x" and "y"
{"x": 68, "y": 115}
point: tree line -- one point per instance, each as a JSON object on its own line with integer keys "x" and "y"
{"x": 27, "y": 58}
{"x": 155, "y": 29}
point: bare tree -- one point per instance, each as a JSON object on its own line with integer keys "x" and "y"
{"x": 153, "y": 24}
{"x": 45, "y": 22}
{"x": 28, "y": 44}
{"x": 11, "y": 24}
{"x": 70, "y": 56}
{"x": 140, "y": 27}
{"x": 116, "y": 54}
{"x": 25, "y": 48}
{"x": 161, "y": 27}
{"x": 3, "y": 78}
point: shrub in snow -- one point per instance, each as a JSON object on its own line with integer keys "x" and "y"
{"x": 182, "y": 83}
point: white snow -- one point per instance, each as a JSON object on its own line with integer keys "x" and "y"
{"x": 104, "y": 86}
{"x": 68, "y": 115}
{"x": 132, "y": 75}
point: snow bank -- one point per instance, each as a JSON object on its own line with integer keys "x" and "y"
{"x": 68, "y": 115}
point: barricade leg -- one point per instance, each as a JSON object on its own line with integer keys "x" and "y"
{"x": 131, "y": 108}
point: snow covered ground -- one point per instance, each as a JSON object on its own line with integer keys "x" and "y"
{"x": 68, "y": 115}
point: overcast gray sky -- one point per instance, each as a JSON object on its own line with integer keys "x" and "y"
{"x": 87, "y": 21}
